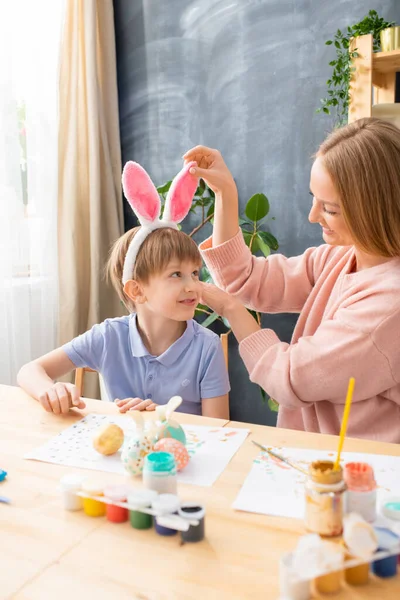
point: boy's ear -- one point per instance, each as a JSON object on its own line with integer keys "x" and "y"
{"x": 134, "y": 290}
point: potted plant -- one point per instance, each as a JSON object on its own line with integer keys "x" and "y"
{"x": 339, "y": 82}
{"x": 256, "y": 238}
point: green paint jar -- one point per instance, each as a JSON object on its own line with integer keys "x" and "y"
{"x": 141, "y": 499}
{"x": 159, "y": 472}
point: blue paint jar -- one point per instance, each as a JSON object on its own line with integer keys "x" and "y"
{"x": 388, "y": 541}
{"x": 164, "y": 505}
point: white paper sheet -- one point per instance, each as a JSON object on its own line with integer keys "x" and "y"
{"x": 274, "y": 488}
{"x": 210, "y": 448}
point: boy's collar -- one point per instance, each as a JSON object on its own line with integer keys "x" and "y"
{"x": 170, "y": 356}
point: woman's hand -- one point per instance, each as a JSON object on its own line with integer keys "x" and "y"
{"x": 212, "y": 168}
{"x": 218, "y": 300}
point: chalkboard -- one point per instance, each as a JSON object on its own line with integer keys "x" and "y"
{"x": 244, "y": 77}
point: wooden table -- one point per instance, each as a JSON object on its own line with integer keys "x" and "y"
{"x": 49, "y": 553}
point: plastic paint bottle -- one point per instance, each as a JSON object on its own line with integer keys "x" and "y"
{"x": 159, "y": 473}
{"x": 387, "y": 541}
{"x": 361, "y": 486}
{"x": 71, "y": 484}
{"x": 324, "y": 499}
{"x": 141, "y": 499}
{"x": 116, "y": 493}
{"x": 91, "y": 507}
{"x": 165, "y": 504}
{"x": 189, "y": 511}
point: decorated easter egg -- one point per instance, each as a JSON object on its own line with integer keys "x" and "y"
{"x": 134, "y": 452}
{"x": 176, "y": 448}
{"x": 108, "y": 439}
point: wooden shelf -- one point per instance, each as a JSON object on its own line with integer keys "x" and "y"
{"x": 376, "y": 71}
{"x": 386, "y": 62}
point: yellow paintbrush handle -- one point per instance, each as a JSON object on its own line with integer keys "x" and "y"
{"x": 345, "y": 419}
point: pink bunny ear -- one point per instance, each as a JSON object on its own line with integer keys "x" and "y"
{"x": 180, "y": 195}
{"x": 140, "y": 192}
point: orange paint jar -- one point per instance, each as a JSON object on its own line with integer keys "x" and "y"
{"x": 116, "y": 493}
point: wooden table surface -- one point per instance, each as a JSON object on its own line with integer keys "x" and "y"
{"x": 49, "y": 553}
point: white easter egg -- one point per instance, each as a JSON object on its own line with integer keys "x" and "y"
{"x": 133, "y": 454}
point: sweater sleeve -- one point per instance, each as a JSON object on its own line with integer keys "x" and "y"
{"x": 319, "y": 367}
{"x": 272, "y": 285}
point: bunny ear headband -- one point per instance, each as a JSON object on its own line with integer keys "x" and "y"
{"x": 145, "y": 202}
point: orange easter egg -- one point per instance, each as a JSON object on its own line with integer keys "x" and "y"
{"x": 176, "y": 448}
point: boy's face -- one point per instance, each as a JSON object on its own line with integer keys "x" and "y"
{"x": 173, "y": 293}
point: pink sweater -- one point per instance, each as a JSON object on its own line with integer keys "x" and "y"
{"x": 349, "y": 326}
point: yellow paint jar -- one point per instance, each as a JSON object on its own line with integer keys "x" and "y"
{"x": 92, "y": 507}
{"x": 331, "y": 583}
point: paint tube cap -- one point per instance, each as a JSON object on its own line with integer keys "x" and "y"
{"x": 116, "y": 493}
{"x": 391, "y": 508}
{"x": 191, "y": 510}
{"x": 142, "y": 498}
{"x": 72, "y": 482}
{"x": 387, "y": 539}
{"x": 3, "y": 475}
{"x": 166, "y": 504}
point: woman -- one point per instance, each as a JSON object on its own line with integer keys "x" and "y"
{"x": 347, "y": 291}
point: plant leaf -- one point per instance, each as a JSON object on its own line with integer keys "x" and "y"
{"x": 257, "y": 207}
{"x": 163, "y": 189}
{"x": 265, "y": 249}
{"x": 269, "y": 239}
{"x": 273, "y": 405}
{"x": 210, "y": 319}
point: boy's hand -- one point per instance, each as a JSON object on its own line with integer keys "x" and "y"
{"x": 60, "y": 397}
{"x": 135, "y": 404}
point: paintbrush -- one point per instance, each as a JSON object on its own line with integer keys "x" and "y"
{"x": 282, "y": 458}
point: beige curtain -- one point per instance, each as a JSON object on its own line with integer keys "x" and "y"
{"x": 89, "y": 206}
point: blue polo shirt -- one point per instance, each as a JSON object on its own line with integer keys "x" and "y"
{"x": 193, "y": 367}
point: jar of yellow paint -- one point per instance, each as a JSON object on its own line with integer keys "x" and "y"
{"x": 332, "y": 581}
{"x": 92, "y": 507}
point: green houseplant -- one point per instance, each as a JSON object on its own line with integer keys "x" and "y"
{"x": 339, "y": 82}
{"x": 256, "y": 238}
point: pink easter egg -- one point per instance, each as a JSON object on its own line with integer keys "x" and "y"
{"x": 176, "y": 448}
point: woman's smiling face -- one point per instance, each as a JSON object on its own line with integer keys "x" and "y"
{"x": 326, "y": 209}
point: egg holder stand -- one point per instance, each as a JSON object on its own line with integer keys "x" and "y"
{"x": 299, "y": 588}
{"x": 171, "y": 521}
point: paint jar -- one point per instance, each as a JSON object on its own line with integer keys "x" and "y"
{"x": 159, "y": 473}
{"x": 360, "y": 543}
{"x": 356, "y": 575}
{"x": 324, "y": 499}
{"x": 388, "y": 541}
{"x": 70, "y": 485}
{"x": 290, "y": 585}
{"x": 332, "y": 581}
{"x": 116, "y": 493}
{"x": 141, "y": 499}
{"x": 189, "y": 511}
{"x": 92, "y": 507}
{"x": 391, "y": 508}
{"x": 361, "y": 490}
{"x": 165, "y": 504}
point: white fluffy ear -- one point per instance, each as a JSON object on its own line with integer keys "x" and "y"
{"x": 141, "y": 193}
{"x": 180, "y": 195}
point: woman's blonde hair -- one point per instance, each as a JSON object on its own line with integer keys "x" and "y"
{"x": 363, "y": 161}
{"x": 156, "y": 252}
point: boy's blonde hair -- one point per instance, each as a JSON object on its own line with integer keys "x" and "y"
{"x": 156, "y": 252}
{"x": 363, "y": 161}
